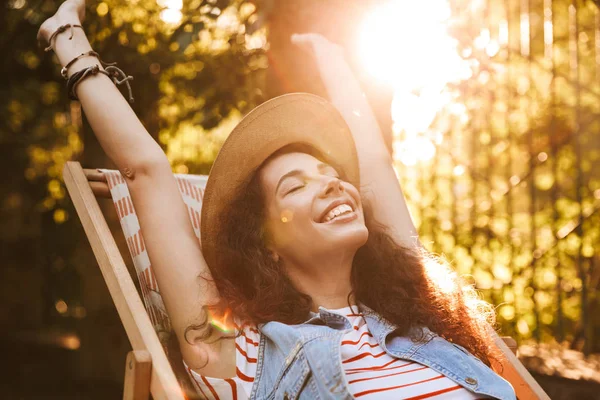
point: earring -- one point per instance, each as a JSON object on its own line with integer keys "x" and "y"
{"x": 275, "y": 257}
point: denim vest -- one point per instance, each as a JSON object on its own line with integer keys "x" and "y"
{"x": 304, "y": 361}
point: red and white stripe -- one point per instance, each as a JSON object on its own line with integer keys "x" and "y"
{"x": 370, "y": 372}
{"x": 373, "y": 374}
{"x": 240, "y": 386}
{"x": 191, "y": 188}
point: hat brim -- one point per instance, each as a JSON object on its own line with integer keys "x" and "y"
{"x": 297, "y": 118}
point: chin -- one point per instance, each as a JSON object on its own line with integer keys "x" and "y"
{"x": 351, "y": 238}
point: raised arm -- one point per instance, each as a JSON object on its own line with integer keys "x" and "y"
{"x": 173, "y": 249}
{"x": 380, "y": 185}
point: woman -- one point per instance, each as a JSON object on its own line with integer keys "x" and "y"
{"x": 306, "y": 241}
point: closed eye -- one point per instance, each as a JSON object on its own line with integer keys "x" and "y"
{"x": 295, "y": 189}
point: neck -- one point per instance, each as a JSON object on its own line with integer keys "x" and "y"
{"x": 326, "y": 280}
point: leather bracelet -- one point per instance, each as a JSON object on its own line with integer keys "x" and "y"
{"x": 113, "y": 72}
{"x": 61, "y": 29}
{"x": 77, "y": 77}
{"x": 64, "y": 70}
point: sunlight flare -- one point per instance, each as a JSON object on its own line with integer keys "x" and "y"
{"x": 221, "y": 323}
{"x": 407, "y": 46}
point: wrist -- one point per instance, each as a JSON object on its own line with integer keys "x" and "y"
{"x": 51, "y": 26}
{"x": 64, "y": 17}
{"x": 69, "y": 17}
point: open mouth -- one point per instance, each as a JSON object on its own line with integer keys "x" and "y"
{"x": 338, "y": 211}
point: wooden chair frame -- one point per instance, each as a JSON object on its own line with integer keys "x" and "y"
{"x": 147, "y": 367}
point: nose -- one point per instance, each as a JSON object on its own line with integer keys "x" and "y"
{"x": 332, "y": 186}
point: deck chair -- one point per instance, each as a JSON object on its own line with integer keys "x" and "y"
{"x": 147, "y": 369}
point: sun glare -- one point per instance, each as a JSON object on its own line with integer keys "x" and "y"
{"x": 407, "y": 46}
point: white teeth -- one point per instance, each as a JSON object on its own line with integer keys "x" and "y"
{"x": 337, "y": 211}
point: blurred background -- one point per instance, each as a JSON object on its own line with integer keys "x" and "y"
{"x": 490, "y": 108}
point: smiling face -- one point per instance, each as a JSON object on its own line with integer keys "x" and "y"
{"x": 310, "y": 211}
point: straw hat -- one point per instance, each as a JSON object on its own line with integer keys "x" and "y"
{"x": 297, "y": 118}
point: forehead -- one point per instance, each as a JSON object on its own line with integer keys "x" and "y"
{"x": 281, "y": 164}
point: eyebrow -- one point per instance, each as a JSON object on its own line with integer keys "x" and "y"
{"x": 295, "y": 172}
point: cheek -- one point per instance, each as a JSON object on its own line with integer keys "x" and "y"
{"x": 352, "y": 191}
{"x": 294, "y": 211}
{"x": 292, "y": 219}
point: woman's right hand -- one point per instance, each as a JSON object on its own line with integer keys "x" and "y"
{"x": 69, "y": 12}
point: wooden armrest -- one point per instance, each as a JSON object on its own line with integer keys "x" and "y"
{"x": 97, "y": 181}
{"x": 510, "y": 343}
{"x": 138, "y": 370}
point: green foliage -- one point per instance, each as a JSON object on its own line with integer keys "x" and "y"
{"x": 208, "y": 66}
{"x": 523, "y": 203}
{"x": 189, "y": 76}
{"x": 198, "y": 66}
{"x": 512, "y": 197}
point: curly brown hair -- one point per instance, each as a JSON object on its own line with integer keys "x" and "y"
{"x": 408, "y": 287}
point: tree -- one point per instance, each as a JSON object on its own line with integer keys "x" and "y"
{"x": 197, "y": 68}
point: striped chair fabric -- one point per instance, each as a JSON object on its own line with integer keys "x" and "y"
{"x": 192, "y": 190}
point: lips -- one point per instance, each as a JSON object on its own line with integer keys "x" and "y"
{"x": 326, "y": 216}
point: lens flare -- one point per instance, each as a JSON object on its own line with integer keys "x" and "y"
{"x": 287, "y": 216}
{"x": 223, "y": 324}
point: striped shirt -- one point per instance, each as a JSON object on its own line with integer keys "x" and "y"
{"x": 240, "y": 386}
{"x": 370, "y": 372}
